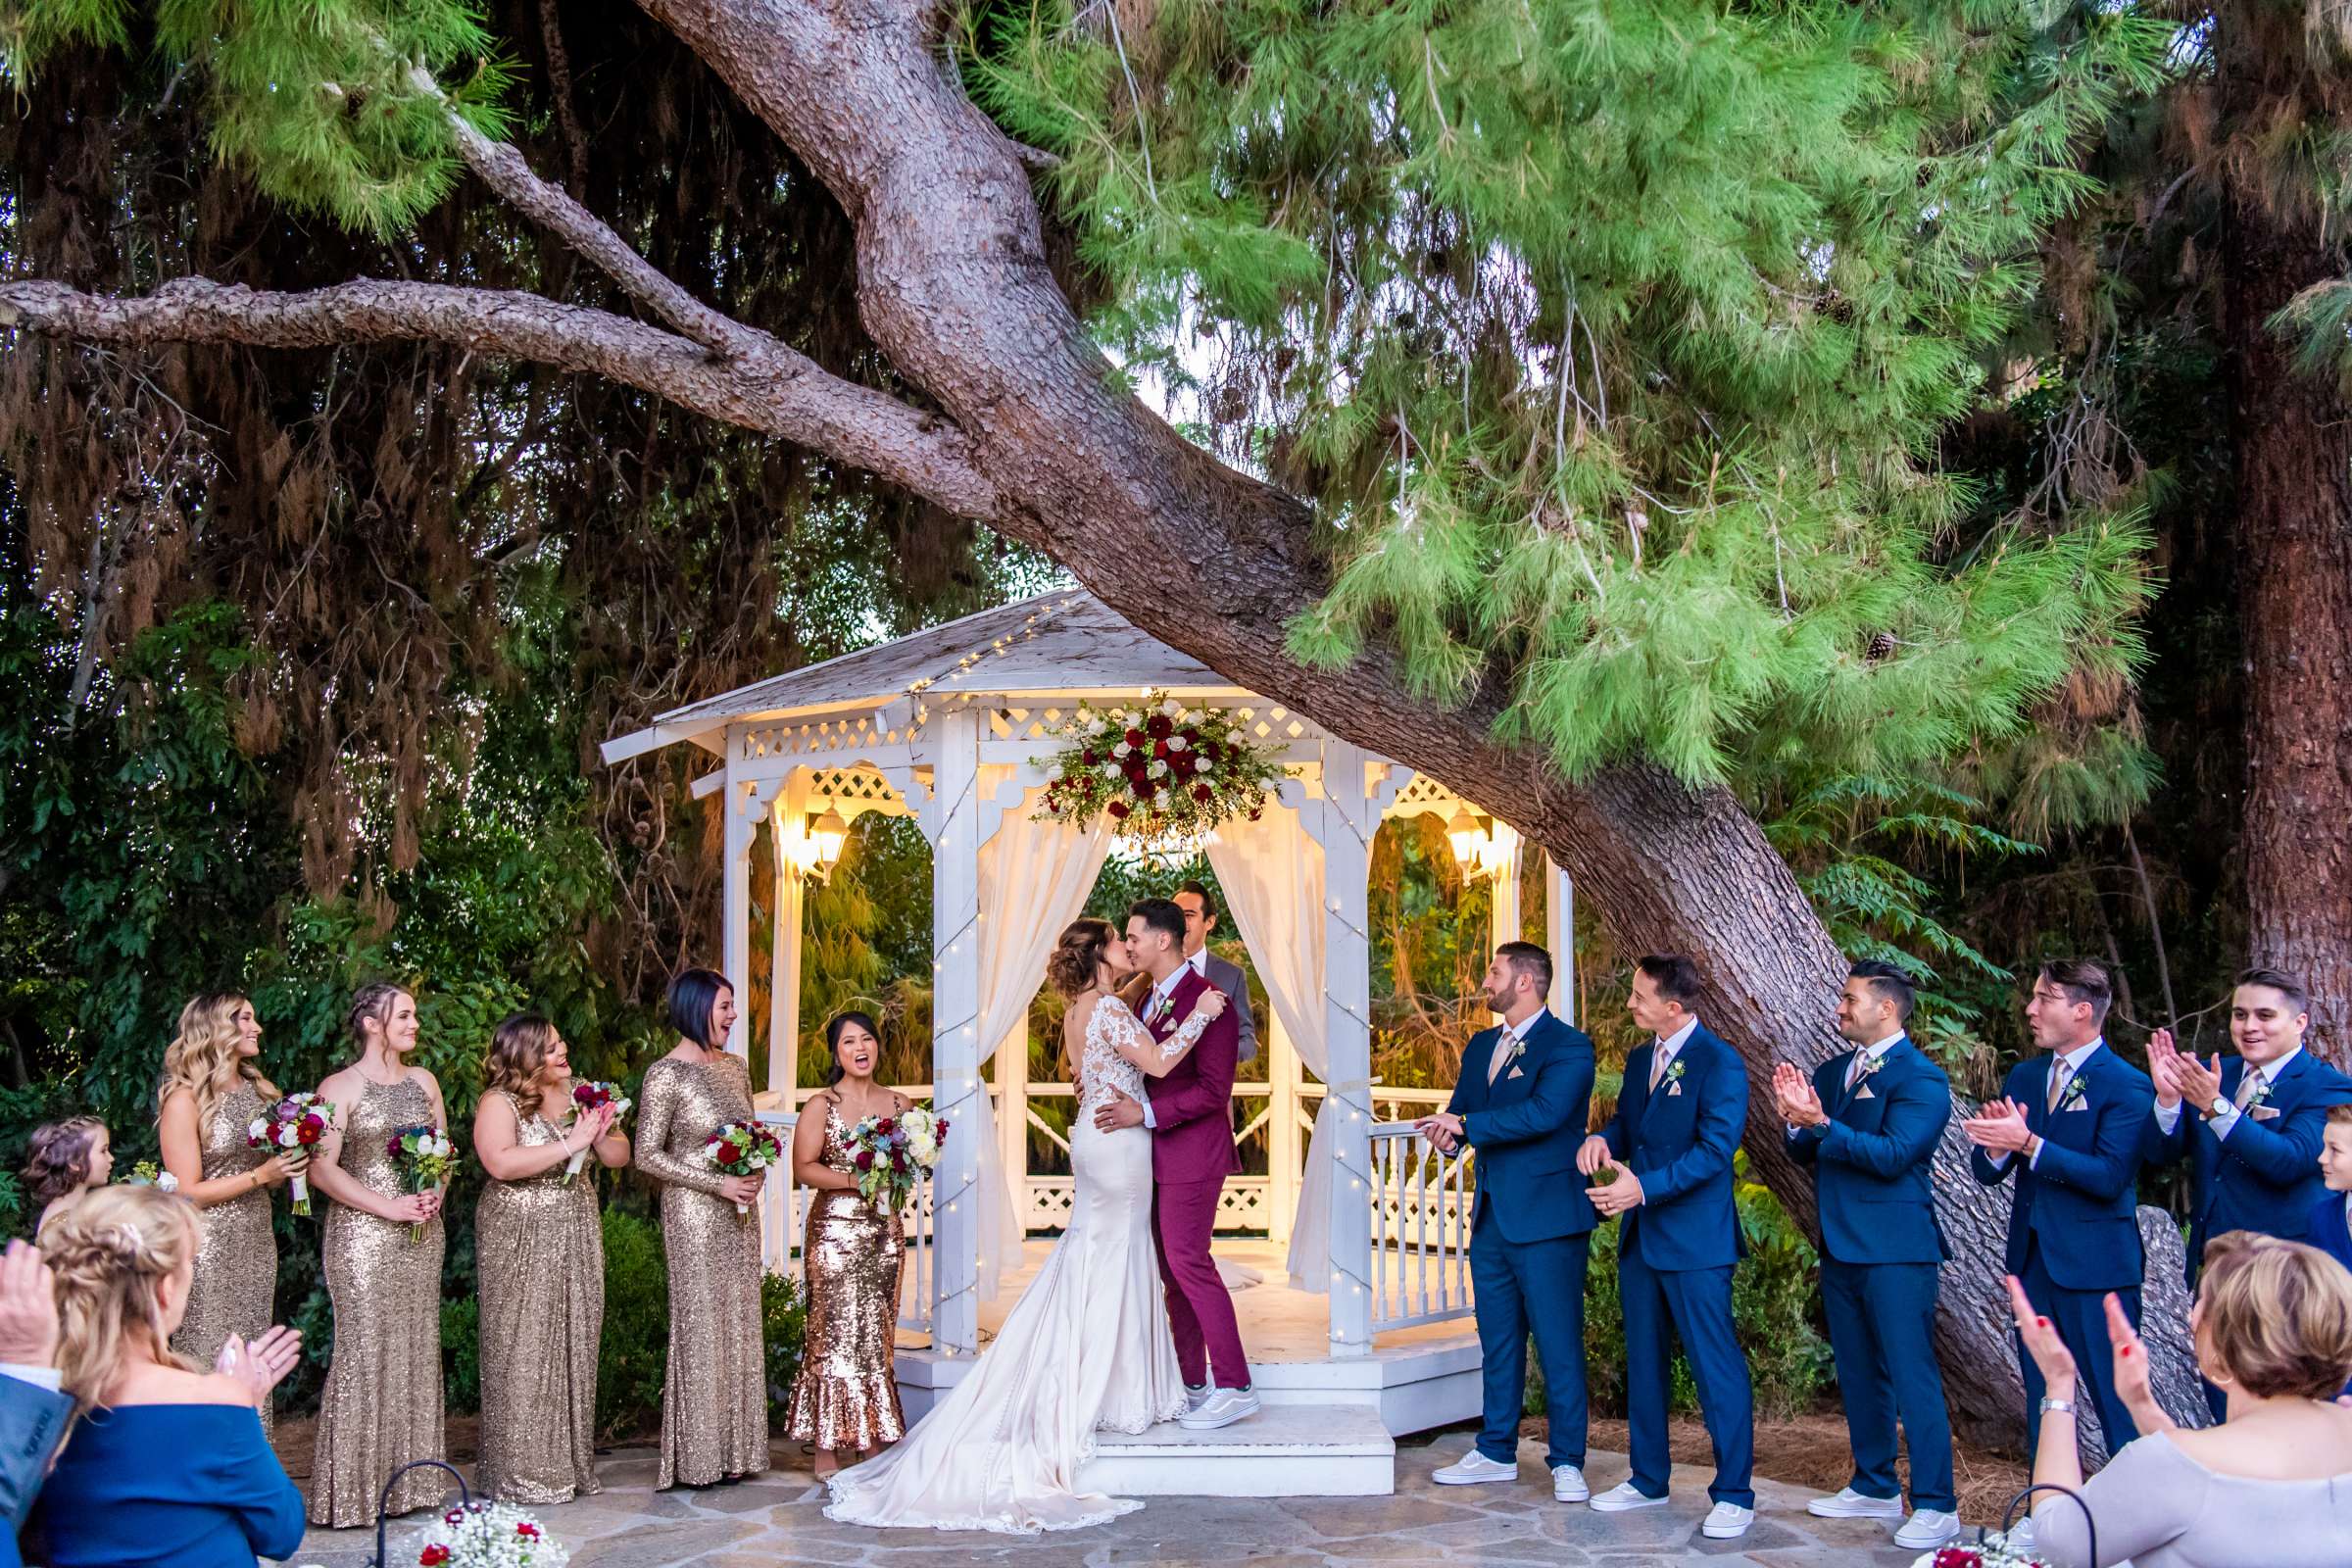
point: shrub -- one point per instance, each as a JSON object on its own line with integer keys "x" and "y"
{"x": 462, "y": 1353}
{"x": 634, "y": 1352}
{"x": 784, "y": 1323}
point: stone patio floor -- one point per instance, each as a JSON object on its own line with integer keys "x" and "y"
{"x": 779, "y": 1521}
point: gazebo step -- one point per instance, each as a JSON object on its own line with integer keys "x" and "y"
{"x": 1285, "y": 1450}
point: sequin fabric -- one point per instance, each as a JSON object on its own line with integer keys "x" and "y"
{"x": 235, "y": 1290}
{"x": 715, "y": 1394}
{"x": 845, "y": 1398}
{"x": 541, "y": 1251}
{"x": 382, "y": 1404}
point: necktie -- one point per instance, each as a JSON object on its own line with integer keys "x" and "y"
{"x": 2247, "y": 1086}
{"x": 1502, "y": 1053}
{"x": 1658, "y": 1066}
{"x": 1853, "y": 1070}
{"x": 2060, "y": 1070}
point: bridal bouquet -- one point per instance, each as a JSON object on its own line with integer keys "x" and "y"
{"x": 486, "y": 1534}
{"x": 147, "y": 1173}
{"x": 592, "y": 1094}
{"x": 1994, "y": 1552}
{"x": 297, "y": 1121}
{"x": 424, "y": 1158}
{"x": 742, "y": 1148}
{"x": 1160, "y": 769}
{"x": 888, "y": 1151}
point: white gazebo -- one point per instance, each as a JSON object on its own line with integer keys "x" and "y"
{"x": 953, "y": 727}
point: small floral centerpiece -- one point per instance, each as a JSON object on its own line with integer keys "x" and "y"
{"x": 588, "y": 1096}
{"x": 889, "y": 1152}
{"x": 1994, "y": 1552}
{"x": 484, "y": 1535}
{"x": 742, "y": 1148}
{"x": 296, "y": 1121}
{"x": 147, "y": 1173}
{"x": 1160, "y": 769}
{"x": 425, "y": 1157}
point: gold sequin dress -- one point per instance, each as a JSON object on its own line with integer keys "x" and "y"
{"x": 382, "y": 1404}
{"x": 846, "y": 1397}
{"x": 235, "y": 1291}
{"x": 541, "y": 1250}
{"x": 714, "y": 1397}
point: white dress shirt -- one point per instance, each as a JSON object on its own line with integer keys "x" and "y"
{"x": 2073, "y": 1060}
{"x": 2168, "y": 1117}
{"x": 1667, "y": 1048}
{"x": 1512, "y": 1034}
{"x": 40, "y": 1376}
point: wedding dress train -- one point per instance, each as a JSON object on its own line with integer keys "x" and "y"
{"x": 1086, "y": 1349}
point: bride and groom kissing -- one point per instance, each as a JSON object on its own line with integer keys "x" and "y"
{"x": 1127, "y": 1322}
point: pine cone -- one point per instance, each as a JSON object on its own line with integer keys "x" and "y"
{"x": 1881, "y": 646}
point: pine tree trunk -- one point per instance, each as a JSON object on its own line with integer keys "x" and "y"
{"x": 2293, "y": 441}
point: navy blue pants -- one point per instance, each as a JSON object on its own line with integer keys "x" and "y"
{"x": 2080, "y": 1320}
{"x": 1528, "y": 1288}
{"x": 1883, "y": 1336}
{"x": 1695, "y": 1306}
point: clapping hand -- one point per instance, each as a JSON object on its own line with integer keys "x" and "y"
{"x": 2200, "y": 1084}
{"x": 262, "y": 1362}
{"x": 2164, "y": 1068}
{"x": 28, "y": 1307}
{"x": 2043, "y": 1344}
{"x": 2131, "y": 1372}
{"x": 1793, "y": 1095}
{"x": 1999, "y": 1125}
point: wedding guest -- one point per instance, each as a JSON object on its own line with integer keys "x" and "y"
{"x": 714, "y": 1398}
{"x": 212, "y": 1092}
{"x": 1199, "y": 926}
{"x": 846, "y": 1397}
{"x": 1670, "y": 1145}
{"x": 540, "y": 1248}
{"x": 2071, "y": 1125}
{"x": 2329, "y": 1223}
{"x": 32, "y": 1412}
{"x": 1522, "y": 1100}
{"x": 164, "y": 1463}
{"x": 64, "y": 1158}
{"x": 1867, "y": 1123}
{"x": 381, "y": 1407}
{"x": 2269, "y": 1488}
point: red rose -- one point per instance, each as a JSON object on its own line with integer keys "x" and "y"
{"x": 940, "y": 1127}
{"x": 1200, "y": 793}
{"x": 1191, "y": 736}
{"x": 865, "y": 1159}
{"x": 1117, "y": 807}
{"x": 1159, "y": 749}
{"x": 1134, "y": 737}
{"x": 433, "y": 1556}
{"x": 1256, "y": 812}
{"x": 1159, "y": 727}
{"x": 1089, "y": 755}
{"x": 527, "y": 1530}
{"x": 885, "y": 1125}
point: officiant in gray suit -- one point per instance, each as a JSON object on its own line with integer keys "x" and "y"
{"x": 1200, "y": 922}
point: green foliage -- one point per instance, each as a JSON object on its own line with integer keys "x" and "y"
{"x": 1635, "y": 431}
{"x": 634, "y": 1352}
{"x": 784, "y": 1329}
{"x": 462, "y": 1353}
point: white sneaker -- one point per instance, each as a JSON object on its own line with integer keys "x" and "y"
{"x": 1568, "y": 1484}
{"x": 1222, "y": 1408}
{"x": 1196, "y": 1395}
{"x": 1727, "y": 1521}
{"x": 1928, "y": 1528}
{"x": 2021, "y": 1536}
{"x": 1472, "y": 1468}
{"x": 1623, "y": 1498}
{"x": 1851, "y": 1504}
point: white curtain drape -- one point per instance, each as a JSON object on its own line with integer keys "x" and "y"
{"x": 1034, "y": 880}
{"x": 1272, "y": 873}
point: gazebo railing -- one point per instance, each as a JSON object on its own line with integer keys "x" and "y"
{"x": 1420, "y": 1218}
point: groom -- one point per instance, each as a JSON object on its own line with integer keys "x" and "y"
{"x": 1192, "y": 1155}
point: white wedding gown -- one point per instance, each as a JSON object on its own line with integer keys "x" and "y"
{"x": 1086, "y": 1350}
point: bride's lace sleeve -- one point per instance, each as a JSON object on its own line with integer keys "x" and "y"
{"x": 1131, "y": 1040}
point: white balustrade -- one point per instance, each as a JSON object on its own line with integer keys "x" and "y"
{"x": 1420, "y": 1222}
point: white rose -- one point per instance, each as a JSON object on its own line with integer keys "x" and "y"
{"x": 260, "y": 1129}
{"x": 1122, "y": 748}
{"x": 168, "y": 1181}
{"x": 1159, "y": 770}
{"x": 1171, "y": 707}
{"x": 1233, "y": 735}
{"x": 1176, "y": 743}
{"x": 1109, "y": 770}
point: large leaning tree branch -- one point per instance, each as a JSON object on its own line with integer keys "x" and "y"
{"x": 768, "y": 387}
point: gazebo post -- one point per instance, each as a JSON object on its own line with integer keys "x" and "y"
{"x": 784, "y": 948}
{"x": 747, "y": 803}
{"x": 1282, "y": 1130}
{"x": 1559, "y": 931}
{"x": 1012, "y": 1114}
{"x": 1350, "y": 817}
{"x": 952, "y": 818}
{"x": 1509, "y": 848}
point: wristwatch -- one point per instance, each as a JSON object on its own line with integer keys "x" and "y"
{"x": 2057, "y": 1407}
{"x": 2221, "y": 1106}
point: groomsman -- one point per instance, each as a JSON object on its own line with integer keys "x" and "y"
{"x": 1867, "y": 1123}
{"x": 1522, "y": 1102}
{"x": 2259, "y": 1119}
{"x": 1668, "y": 1155}
{"x": 1199, "y": 925}
{"x": 2071, "y": 1125}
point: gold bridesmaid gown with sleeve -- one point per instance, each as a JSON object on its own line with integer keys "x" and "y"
{"x": 846, "y": 1396}
{"x": 541, "y": 1250}
{"x": 235, "y": 1290}
{"x": 382, "y": 1404}
{"x": 714, "y": 1397}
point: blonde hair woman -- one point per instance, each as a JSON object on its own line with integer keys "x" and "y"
{"x": 381, "y": 1407}
{"x": 164, "y": 1463}
{"x": 541, "y": 1251}
{"x": 212, "y": 1092}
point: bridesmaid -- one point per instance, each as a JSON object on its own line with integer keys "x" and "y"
{"x": 541, "y": 1249}
{"x": 846, "y": 1396}
{"x": 715, "y": 1398}
{"x": 212, "y": 1092}
{"x": 381, "y": 1407}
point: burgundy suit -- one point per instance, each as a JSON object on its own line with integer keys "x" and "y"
{"x": 1192, "y": 1155}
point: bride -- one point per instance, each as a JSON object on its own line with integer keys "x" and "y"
{"x": 1087, "y": 1348}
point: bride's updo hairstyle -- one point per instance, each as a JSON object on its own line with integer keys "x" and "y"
{"x": 1078, "y": 956}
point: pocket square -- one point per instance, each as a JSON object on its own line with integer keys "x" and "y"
{"x": 1672, "y": 1089}
{"x": 1514, "y": 1073}
{"x": 2076, "y": 1104}
{"x": 2263, "y": 1112}
{"x": 1864, "y": 1093}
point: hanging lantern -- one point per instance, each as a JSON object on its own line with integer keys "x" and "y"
{"x": 825, "y": 841}
{"x": 1465, "y": 835}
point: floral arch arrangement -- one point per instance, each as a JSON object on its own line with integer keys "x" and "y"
{"x": 1161, "y": 770}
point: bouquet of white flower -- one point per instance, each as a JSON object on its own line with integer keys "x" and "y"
{"x": 889, "y": 1152}
{"x": 484, "y": 1535}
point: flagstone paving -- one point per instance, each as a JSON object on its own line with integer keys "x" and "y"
{"x": 778, "y": 1522}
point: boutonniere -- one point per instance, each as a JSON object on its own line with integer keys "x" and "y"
{"x": 2072, "y": 1095}
{"x": 1871, "y": 1066}
{"x": 1513, "y": 1048}
{"x": 2260, "y": 1093}
{"x": 1673, "y": 1078}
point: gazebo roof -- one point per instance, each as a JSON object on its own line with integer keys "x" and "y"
{"x": 1063, "y": 641}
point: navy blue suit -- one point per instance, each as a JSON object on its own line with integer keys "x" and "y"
{"x": 2265, "y": 1176}
{"x": 1531, "y": 1229}
{"x": 1676, "y": 1253}
{"x": 2326, "y": 1228}
{"x": 1880, "y": 1250}
{"x": 32, "y": 1421}
{"x": 2074, "y": 1225}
